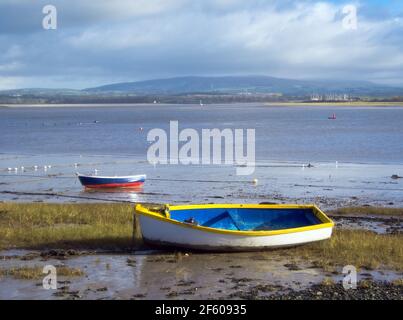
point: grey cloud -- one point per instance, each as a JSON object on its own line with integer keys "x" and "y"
{"x": 104, "y": 41}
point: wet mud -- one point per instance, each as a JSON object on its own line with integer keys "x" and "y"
{"x": 152, "y": 274}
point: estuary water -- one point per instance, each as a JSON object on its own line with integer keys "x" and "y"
{"x": 353, "y": 157}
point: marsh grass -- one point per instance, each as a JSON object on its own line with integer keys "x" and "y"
{"x": 89, "y": 226}
{"x": 36, "y": 272}
{"x": 110, "y": 226}
{"x": 368, "y": 211}
{"x": 362, "y": 249}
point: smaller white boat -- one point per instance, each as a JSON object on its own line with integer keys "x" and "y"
{"x": 233, "y": 227}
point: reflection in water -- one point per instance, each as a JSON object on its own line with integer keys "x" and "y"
{"x": 132, "y": 194}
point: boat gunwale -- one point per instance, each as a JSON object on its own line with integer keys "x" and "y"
{"x": 326, "y": 222}
{"x": 137, "y": 176}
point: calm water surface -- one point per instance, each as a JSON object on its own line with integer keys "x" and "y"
{"x": 367, "y": 142}
{"x": 360, "y": 134}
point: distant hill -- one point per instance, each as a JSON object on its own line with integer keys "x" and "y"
{"x": 246, "y": 84}
{"x": 211, "y": 89}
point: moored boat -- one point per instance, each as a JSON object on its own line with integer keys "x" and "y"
{"x": 111, "y": 182}
{"x": 233, "y": 227}
{"x": 332, "y": 117}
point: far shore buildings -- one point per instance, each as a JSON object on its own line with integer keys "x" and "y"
{"x": 331, "y": 97}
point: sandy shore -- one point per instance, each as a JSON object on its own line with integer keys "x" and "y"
{"x": 287, "y": 104}
{"x": 337, "y": 104}
{"x": 81, "y": 105}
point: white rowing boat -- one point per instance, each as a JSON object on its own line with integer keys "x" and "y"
{"x": 233, "y": 227}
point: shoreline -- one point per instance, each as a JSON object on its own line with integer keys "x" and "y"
{"x": 338, "y": 104}
{"x": 275, "y": 104}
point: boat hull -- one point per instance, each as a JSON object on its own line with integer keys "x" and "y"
{"x": 112, "y": 182}
{"x": 165, "y": 233}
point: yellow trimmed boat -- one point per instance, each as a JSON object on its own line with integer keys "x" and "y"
{"x": 233, "y": 227}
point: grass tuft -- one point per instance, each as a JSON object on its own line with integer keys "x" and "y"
{"x": 328, "y": 282}
{"x": 36, "y": 272}
{"x": 368, "y": 211}
{"x": 398, "y": 282}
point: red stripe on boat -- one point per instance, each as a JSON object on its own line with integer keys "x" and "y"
{"x": 115, "y": 185}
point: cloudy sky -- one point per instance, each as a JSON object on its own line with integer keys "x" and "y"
{"x": 103, "y": 41}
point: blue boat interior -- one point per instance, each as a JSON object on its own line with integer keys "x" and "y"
{"x": 244, "y": 219}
